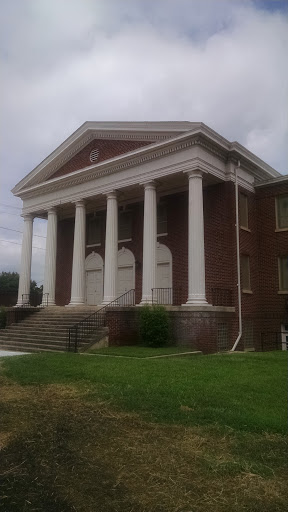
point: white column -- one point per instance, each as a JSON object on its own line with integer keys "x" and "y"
{"x": 78, "y": 266}
{"x": 50, "y": 259}
{"x": 196, "y": 254}
{"x": 111, "y": 249}
{"x": 26, "y": 258}
{"x": 149, "y": 242}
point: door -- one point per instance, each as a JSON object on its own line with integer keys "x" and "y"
{"x": 125, "y": 279}
{"x": 94, "y": 287}
{"x": 163, "y": 283}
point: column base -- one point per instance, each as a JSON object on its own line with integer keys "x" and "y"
{"x": 50, "y": 303}
{"x": 146, "y": 301}
{"x": 22, "y": 305}
{"x": 107, "y": 301}
{"x": 76, "y": 302}
{"x": 196, "y": 301}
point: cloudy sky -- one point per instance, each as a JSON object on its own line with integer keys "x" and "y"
{"x": 223, "y": 62}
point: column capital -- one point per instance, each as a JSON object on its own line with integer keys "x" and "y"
{"x": 52, "y": 210}
{"x": 80, "y": 203}
{"x": 197, "y": 173}
{"x": 28, "y": 217}
{"x": 112, "y": 194}
{"x": 149, "y": 184}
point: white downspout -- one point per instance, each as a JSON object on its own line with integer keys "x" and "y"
{"x": 238, "y": 260}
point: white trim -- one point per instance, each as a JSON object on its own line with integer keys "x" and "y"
{"x": 205, "y": 135}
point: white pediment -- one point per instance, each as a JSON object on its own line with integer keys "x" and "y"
{"x": 141, "y": 131}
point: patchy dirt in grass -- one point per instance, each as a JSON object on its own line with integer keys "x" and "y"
{"x": 62, "y": 453}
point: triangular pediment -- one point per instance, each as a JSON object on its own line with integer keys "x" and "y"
{"x": 96, "y": 151}
{"x": 112, "y": 139}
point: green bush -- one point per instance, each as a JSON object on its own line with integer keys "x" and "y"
{"x": 3, "y": 317}
{"x": 154, "y": 326}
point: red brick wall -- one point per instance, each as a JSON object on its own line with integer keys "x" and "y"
{"x": 197, "y": 330}
{"x": 65, "y": 238}
{"x": 271, "y": 245}
{"x": 264, "y": 305}
{"x": 107, "y": 149}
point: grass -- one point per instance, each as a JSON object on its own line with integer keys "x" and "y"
{"x": 138, "y": 351}
{"x": 109, "y": 434}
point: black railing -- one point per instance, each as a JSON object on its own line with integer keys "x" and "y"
{"x": 35, "y": 300}
{"x": 273, "y": 341}
{"x": 166, "y": 296}
{"x": 222, "y": 297}
{"x": 162, "y": 296}
{"x": 97, "y": 320}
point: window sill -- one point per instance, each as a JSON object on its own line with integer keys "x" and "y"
{"x": 125, "y": 240}
{"x": 278, "y": 230}
{"x": 245, "y": 229}
{"x": 162, "y": 234}
{"x": 93, "y": 245}
{"x": 282, "y": 292}
{"x": 247, "y": 291}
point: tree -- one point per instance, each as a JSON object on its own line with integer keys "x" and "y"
{"x": 9, "y": 282}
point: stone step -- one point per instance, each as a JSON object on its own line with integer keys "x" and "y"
{"x": 34, "y": 336}
{"x": 47, "y": 330}
{"x": 45, "y": 325}
{"x": 25, "y": 347}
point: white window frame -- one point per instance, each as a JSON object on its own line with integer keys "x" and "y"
{"x": 280, "y": 277}
{"x": 277, "y": 198}
{"x": 246, "y": 290}
{"x": 246, "y": 228}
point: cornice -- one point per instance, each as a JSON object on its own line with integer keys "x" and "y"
{"x": 123, "y": 162}
{"x": 122, "y": 183}
{"x": 202, "y": 136}
{"x": 275, "y": 181}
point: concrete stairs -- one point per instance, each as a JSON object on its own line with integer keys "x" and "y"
{"x": 47, "y": 330}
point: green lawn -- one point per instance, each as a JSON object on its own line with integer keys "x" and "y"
{"x": 241, "y": 391}
{"x": 138, "y": 351}
{"x": 201, "y": 434}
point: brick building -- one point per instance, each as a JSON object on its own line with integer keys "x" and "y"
{"x": 152, "y": 207}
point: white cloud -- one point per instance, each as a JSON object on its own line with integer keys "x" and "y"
{"x": 67, "y": 61}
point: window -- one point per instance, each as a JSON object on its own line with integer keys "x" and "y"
{"x": 94, "y": 231}
{"x": 282, "y": 211}
{"x": 283, "y": 273}
{"x": 243, "y": 211}
{"x": 245, "y": 273}
{"x": 161, "y": 219}
{"x": 124, "y": 226}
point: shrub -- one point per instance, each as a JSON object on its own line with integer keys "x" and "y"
{"x": 3, "y": 317}
{"x": 154, "y": 326}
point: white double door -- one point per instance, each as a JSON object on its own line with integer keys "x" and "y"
{"x": 94, "y": 286}
{"x": 126, "y": 280}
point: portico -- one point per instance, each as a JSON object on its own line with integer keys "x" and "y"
{"x": 108, "y": 276}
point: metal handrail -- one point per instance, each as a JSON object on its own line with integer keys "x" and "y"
{"x": 26, "y": 300}
{"x": 96, "y": 320}
{"x": 162, "y": 296}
